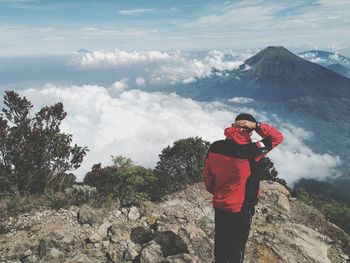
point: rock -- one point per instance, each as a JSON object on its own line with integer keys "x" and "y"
{"x": 79, "y": 257}
{"x": 89, "y": 215}
{"x": 141, "y": 235}
{"x": 117, "y": 233}
{"x": 53, "y": 256}
{"x": 57, "y": 243}
{"x": 102, "y": 230}
{"x": 122, "y": 251}
{"x": 277, "y": 196}
{"x": 152, "y": 218}
{"x": 151, "y": 253}
{"x": 283, "y": 203}
{"x": 27, "y": 253}
{"x": 32, "y": 259}
{"x": 95, "y": 237}
{"x": 182, "y": 258}
{"x": 177, "y": 230}
{"x": 171, "y": 243}
{"x": 132, "y": 250}
{"x": 134, "y": 213}
{"x": 105, "y": 244}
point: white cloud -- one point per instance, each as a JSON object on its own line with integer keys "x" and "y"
{"x": 187, "y": 69}
{"x": 119, "y": 86}
{"x": 313, "y": 58}
{"x": 163, "y": 67}
{"x": 241, "y": 100}
{"x": 135, "y": 12}
{"x": 295, "y": 160}
{"x": 139, "y": 125}
{"x": 140, "y": 81}
{"x": 121, "y": 58}
{"x": 189, "y": 80}
{"x": 333, "y": 58}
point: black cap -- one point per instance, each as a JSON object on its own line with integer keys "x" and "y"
{"x": 245, "y": 116}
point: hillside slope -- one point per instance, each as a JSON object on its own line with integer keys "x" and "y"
{"x": 179, "y": 229}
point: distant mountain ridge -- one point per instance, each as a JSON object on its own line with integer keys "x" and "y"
{"x": 274, "y": 74}
{"x": 325, "y": 58}
{"x": 278, "y": 71}
{"x": 331, "y": 60}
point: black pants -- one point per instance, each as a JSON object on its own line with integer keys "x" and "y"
{"x": 231, "y": 234}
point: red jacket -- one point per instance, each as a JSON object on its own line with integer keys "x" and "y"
{"x": 229, "y": 170}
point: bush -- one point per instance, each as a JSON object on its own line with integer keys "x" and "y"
{"x": 34, "y": 154}
{"x": 180, "y": 165}
{"x": 267, "y": 171}
{"x": 80, "y": 194}
{"x": 334, "y": 211}
{"x": 57, "y": 200}
{"x": 123, "y": 180}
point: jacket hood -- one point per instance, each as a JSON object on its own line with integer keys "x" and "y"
{"x": 238, "y": 134}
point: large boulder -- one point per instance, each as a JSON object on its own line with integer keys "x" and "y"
{"x": 275, "y": 197}
{"x": 182, "y": 258}
{"x": 134, "y": 213}
{"x": 151, "y": 253}
{"x": 56, "y": 245}
{"x": 89, "y": 215}
{"x": 118, "y": 232}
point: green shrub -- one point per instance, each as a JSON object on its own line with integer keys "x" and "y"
{"x": 267, "y": 171}
{"x": 334, "y": 211}
{"x": 123, "y": 180}
{"x": 180, "y": 165}
{"x": 34, "y": 154}
{"x": 57, "y": 200}
{"x": 80, "y": 194}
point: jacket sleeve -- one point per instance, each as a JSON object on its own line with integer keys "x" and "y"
{"x": 208, "y": 177}
{"x": 271, "y": 138}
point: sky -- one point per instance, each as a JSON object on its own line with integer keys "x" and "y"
{"x": 63, "y": 26}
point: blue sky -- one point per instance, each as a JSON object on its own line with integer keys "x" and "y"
{"x": 48, "y": 26}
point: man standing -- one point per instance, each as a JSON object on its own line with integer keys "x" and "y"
{"x": 230, "y": 175}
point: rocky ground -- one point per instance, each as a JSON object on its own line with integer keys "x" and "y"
{"x": 179, "y": 229}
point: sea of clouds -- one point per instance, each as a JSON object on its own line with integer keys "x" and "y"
{"x": 118, "y": 120}
{"x": 162, "y": 68}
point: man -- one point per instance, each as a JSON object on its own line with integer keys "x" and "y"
{"x": 230, "y": 175}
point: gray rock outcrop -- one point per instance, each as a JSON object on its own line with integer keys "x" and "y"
{"x": 180, "y": 229}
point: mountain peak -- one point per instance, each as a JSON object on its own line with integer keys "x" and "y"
{"x": 275, "y": 48}
{"x": 275, "y": 53}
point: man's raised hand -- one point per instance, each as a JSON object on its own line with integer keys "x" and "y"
{"x": 249, "y": 125}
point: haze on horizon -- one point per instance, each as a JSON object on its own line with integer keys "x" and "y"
{"x": 65, "y": 26}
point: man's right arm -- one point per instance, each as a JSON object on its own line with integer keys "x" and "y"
{"x": 271, "y": 138}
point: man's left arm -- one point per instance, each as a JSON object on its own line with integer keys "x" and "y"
{"x": 271, "y": 138}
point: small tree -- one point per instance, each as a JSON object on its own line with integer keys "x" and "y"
{"x": 267, "y": 171}
{"x": 123, "y": 179}
{"x": 34, "y": 153}
{"x": 180, "y": 165}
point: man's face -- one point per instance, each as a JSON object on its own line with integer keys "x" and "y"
{"x": 244, "y": 130}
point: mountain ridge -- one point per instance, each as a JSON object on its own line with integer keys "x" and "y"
{"x": 179, "y": 229}
{"x": 273, "y": 74}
